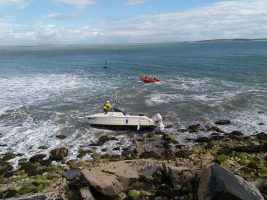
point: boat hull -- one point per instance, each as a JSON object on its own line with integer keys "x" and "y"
{"x": 147, "y": 79}
{"x": 124, "y": 127}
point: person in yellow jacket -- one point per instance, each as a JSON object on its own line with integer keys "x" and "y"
{"x": 106, "y": 107}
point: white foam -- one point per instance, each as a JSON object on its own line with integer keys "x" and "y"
{"x": 157, "y": 99}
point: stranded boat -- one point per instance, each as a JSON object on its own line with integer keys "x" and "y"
{"x": 118, "y": 120}
{"x": 149, "y": 79}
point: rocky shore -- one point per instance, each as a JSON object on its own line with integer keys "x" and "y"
{"x": 220, "y": 166}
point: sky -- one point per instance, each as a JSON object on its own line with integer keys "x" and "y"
{"x": 28, "y": 22}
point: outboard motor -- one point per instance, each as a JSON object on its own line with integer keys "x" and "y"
{"x": 157, "y": 119}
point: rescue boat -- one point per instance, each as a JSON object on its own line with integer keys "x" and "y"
{"x": 149, "y": 79}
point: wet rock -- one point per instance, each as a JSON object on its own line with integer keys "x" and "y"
{"x": 168, "y": 126}
{"x": 194, "y": 128}
{"x": 43, "y": 147}
{"x": 236, "y": 133}
{"x": 29, "y": 169}
{"x": 260, "y": 112}
{"x": 261, "y": 123}
{"x": 116, "y": 148}
{"x": 58, "y": 154}
{"x": 37, "y": 158}
{"x": 62, "y": 137}
{"x": 8, "y": 156}
{"x": 83, "y": 152}
{"x": 169, "y": 137}
{"x": 262, "y": 136}
{"x": 5, "y": 167}
{"x": 218, "y": 183}
{"x": 202, "y": 139}
{"x": 182, "y": 130}
{"x": 105, "y": 138}
{"x": 223, "y": 122}
{"x": 214, "y": 128}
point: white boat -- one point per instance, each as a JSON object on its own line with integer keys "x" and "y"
{"x": 116, "y": 119}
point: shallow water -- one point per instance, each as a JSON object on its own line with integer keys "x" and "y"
{"x": 47, "y": 91}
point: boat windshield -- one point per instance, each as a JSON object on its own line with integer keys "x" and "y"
{"x": 116, "y": 110}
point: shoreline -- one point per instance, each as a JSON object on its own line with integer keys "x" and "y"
{"x": 242, "y": 155}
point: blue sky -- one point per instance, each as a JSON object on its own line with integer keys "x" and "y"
{"x": 30, "y": 22}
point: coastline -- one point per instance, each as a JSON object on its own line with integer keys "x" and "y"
{"x": 160, "y": 152}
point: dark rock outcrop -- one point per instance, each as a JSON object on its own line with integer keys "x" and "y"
{"x": 194, "y": 128}
{"x": 223, "y": 122}
{"x": 37, "y": 158}
{"x": 58, "y": 154}
{"x": 262, "y": 136}
{"x": 62, "y": 137}
{"x": 8, "y": 156}
{"x": 218, "y": 183}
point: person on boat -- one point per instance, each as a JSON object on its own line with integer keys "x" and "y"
{"x": 106, "y": 107}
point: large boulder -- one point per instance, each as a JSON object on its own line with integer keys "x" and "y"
{"x": 105, "y": 183}
{"x": 112, "y": 178}
{"x": 182, "y": 177}
{"x": 218, "y": 183}
{"x": 58, "y": 154}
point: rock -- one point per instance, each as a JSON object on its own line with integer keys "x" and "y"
{"x": 218, "y": 183}
{"x": 5, "y": 167}
{"x": 168, "y": 137}
{"x": 133, "y": 193}
{"x": 182, "y": 177}
{"x": 37, "y": 158}
{"x": 236, "y": 133}
{"x": 262, "y": 136}
{"x": 260, "y": 112}
{"x": 8, "y": 156}
{"x": 8, "y": 194}
{"x": 29, "y": 169}
{"x": 194, "y": 128}
{"x": 202, "y": 139}
{"x": 83, "y": 152}
{"x": 58, "y": 154}
{"x": 182, "y": 130}
{"x": 86, "y": 194}
{"x": 261, "y": 124}
{"x": 223, "y": 122}
{"x": 43, "y": 147}
{"x": 214, "y": 128}
{"x": 105, "y": 183}
{"x": 105, "y": 138}
{"x": 116, "y": 148}
{"x": 62, "y": 137}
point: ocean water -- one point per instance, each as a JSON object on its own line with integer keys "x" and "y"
{"x": 48, "y": 90}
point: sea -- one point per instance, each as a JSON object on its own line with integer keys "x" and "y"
{"x": 49, "y": 90}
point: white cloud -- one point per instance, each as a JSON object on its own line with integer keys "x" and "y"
{"x": 20, "y": 4}
{"x": 135, "y": 2}
{"x": 79, "y": 3}
{"x": 223, "y": 20}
